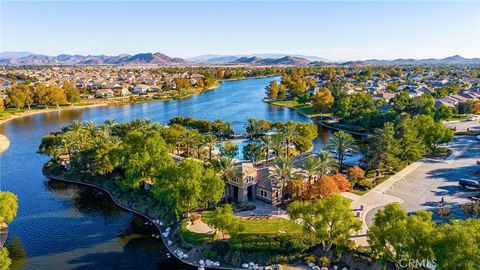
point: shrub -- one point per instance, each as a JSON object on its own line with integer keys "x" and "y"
{"x": 342, "y": 182}
{"x": 324, "y": 261}
{"x": 356, "y": 174}
{"x": 310, "y": 259}
{"x": 367, "y": 184}
{"x": 233, "y": 257}
{"x": 279, "y": 243}
{"x": 327, "y": 186}
{"x": 210, "y": 253}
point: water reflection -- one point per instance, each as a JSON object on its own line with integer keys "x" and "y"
{"x": 16, "y": 253}
{"x": 86, "y": 200}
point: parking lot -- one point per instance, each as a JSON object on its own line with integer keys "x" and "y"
{"x": 463, "y": 125}
{"x": 424, "y": 187}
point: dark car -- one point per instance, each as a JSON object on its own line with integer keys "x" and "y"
{"x": 469, "y": 183}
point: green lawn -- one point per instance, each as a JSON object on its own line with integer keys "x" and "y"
{"x": 305, "y": 109}
{"x": 265, "y": 226}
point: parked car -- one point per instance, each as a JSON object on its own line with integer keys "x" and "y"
{"x": 469, "y": 183}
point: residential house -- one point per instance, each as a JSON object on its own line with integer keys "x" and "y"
{"x": 140, "y": 89}
{"x": 251, "y": 183}
{"x": 104, "y": 93}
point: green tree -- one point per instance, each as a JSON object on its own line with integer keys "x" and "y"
{"x": 290, "y": 134}
{"x": 433, "y": 133}
{"x": 383, "y": 150}
{"x": 396, "y": 236}
{"x": 17, "y": 96}
{"x": 331, "y": 220}
{"x": 8, "y": 207}
{"x": 226, "y": 168}
{"x": 456, "y": 245}
{"x": 267, "y": 145}
{"x": 342, "y": 142}
{"x": 253, "y": 151}
{"x": 283, "y": 172}
{"x": 229, "y": 149}
{"x": 224, "y": 220}
{"x": 443, "y": 113}
{"x": 326, "y": 162}
{"x": 282, "y": 92}
{"x": 211, "y": 188}
{"x": 323, "y": 100}
{"x": 5, "y": 261}
{"x": 310, "y": 166}
{"x": 55, "y": 96}
{"x": 145, "y": 156}
{"x": 467, "y": 107}
{"x": 411, "y": 147}
{"x": 211, "y": 141}
{"x": 71, "y": 92}
{"x": 272, "y": 90}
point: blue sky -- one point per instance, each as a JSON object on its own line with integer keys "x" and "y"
{"x": 333, "y": 30}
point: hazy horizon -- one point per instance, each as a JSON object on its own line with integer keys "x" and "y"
{"x": 332, "y": 30}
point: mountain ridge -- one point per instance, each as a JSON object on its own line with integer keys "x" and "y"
{"x": 157, "y": 58}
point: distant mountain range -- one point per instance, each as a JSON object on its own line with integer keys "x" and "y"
{"x": 26, "y": 58}
{"x": 452, "y": 60}
{"x": 67, "y": 59}
{"x": 225, "y": 59}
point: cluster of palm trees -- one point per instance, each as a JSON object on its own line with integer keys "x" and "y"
{"x": 309, "y": 169}
{"x": 312, "y": 167}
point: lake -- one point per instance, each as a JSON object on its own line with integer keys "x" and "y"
{"x": 63, "y": 226}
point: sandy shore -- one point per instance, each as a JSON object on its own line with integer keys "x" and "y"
{"x": 52, "y": 109}
{"x": 4, "y": 143}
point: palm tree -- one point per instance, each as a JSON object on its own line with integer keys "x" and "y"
{"x": 210, "y": 140}
{"x": 252, "y": 127}
{"x": 110, "y": 122}
{"x": 277, "y": 143}
{"x": 188, "y": 139}
{"x": 91, "y": 127}
{"x": 267, "y": 143}
{"x": 310, "y": 166}
{"x": 283, "y": 172}
{"x": 199, "y": 142}
{"x": 341, "y": 143}
{"x": 290, "y": 134}
{"x": 226, "y": 168}
{"x": 108, "y": 126}
{"x": 326, "y": 162}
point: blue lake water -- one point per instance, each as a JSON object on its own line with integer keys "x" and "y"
{"x": 63, "y": 226}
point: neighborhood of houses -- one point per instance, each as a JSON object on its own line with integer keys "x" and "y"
{"x": 111, "y": 82}
{"x": 100, "y": 82}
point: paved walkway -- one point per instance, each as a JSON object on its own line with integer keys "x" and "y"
{"x": 200, "y": 227}
{"x": 263, "y": 209}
